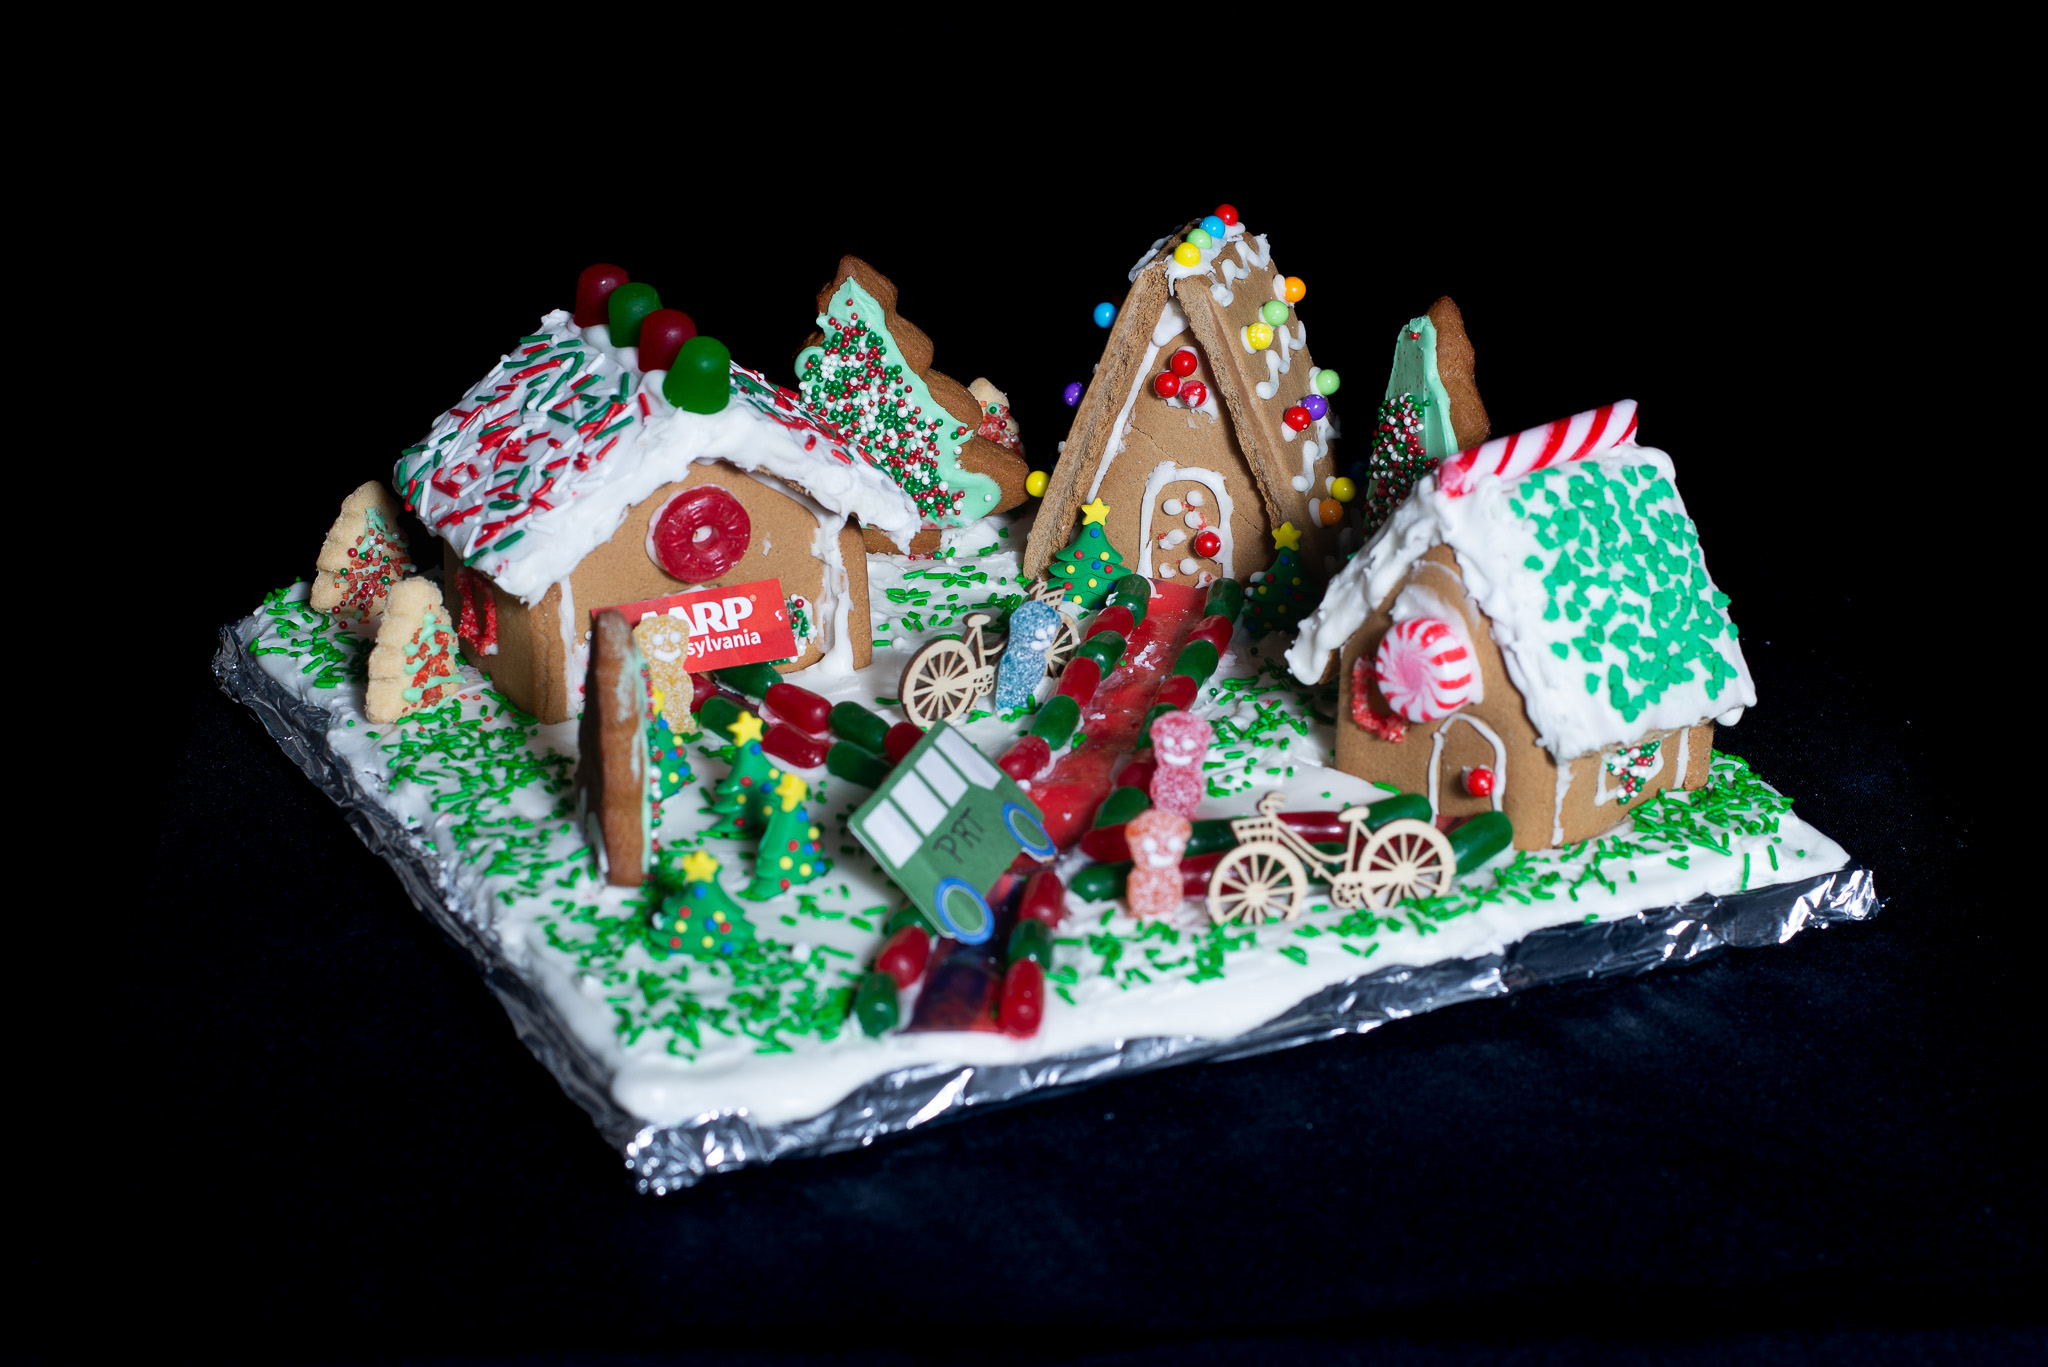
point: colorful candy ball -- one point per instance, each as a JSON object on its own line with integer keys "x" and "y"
{"x": 1194, "y": 393}
{"x": 1330, "y": 511}
{"x": 1166, "y": 384}
{"x": 1187, "y": 254}
{"x": 1184, "y": 362}
{"x": 1318, "y": 407}
{"x": 1208, "y": 544}
{"x": 1341, "y": 488}
{"x": 1228, "y": 213}
{"x": 1200, "y": 238}
{"x": 1214, "y": 226}
{"x": 1273, "y": 311}
{"x": 1326, "y": 382}
{"x": 1259, "y": 335}
{"x": 1293, "y": 289}
{"x": 1296, "y": 418}
{"x": 1035, "y": 482}
{"x": 1105, "y": 314}
{"x": 1479, "y": 781}
{"x": 1071, "y": 395}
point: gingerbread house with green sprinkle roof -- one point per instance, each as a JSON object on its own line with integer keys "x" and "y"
{"x": 1533, "y": 631}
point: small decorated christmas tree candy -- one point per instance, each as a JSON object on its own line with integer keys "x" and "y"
{"x": 789, "y": 843}
{"x": 668, "y": 766}
{"x": 363, "y": 557}
{"x": 1088, "y": 566}
{"x": 738, "y": 794}
{"x": 701, "y": 920}
{"x": 1398, "y": 458}
{"x": 1180, "y": 741}
{"x": 413, "y": 666}
{"x": 1282, "y": 596}
{"x": 1034, "y": 626}
{"x": 1157, "y": 839}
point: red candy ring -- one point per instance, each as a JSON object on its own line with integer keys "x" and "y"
{"x": 699, "y": 534}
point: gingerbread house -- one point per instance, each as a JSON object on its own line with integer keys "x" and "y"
{"x": 1533, "y": 631}
{"x": 1205, "y": 427}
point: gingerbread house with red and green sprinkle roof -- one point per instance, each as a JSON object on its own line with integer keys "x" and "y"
{"x": 1533, "y": 631}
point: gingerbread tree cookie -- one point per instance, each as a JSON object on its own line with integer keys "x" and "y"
{"x": 612, "y": 797}
{"x": 413, "y": 666}
{"x": 868, "y": 373}
{"x": 363, "y": 557}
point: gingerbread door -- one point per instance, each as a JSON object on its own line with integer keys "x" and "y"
{"x": 1186, "y": 530}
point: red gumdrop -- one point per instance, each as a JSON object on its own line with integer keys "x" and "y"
{"x": 1194, "y": 393}
{"x": 702, "y": 690}
{"x": 593, "y": 288}
{"x": 901, "y": 740}
{"x": 1296, "y": 417}
{"x": 1166, "y": 384}
{"x": 1136, "y": 774}
{"x": 1116, "y": 618}
{"x": 1045, "y": 899}
{"x": 1208, "y": 544}
{"x": 1479, "y": 782}
{"x": 1184, "y": 362}
{"x": 1106, "y": 844}
{"x": 903, "y": 957}
{"x": 1023, "y": 1001}
{"x": 1228, "y": 213}
{"x": 799, "y": 707}
{"x": 1216, "y": 630}
{"x": 701, "y": 533}
{"x": 1027, "y": 759}
{"x": 793, "y": 747}
{"x": 662, "y": 334}
{"x": 1176, "y": 693}
{"x": 1080, "y": 679}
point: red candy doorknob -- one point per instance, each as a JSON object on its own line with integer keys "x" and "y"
{"x": 700, "y": 534}
{"x": 593, "y": 288}
{"x": 1479, "y": 782}
{"x": 1208, "y": 544}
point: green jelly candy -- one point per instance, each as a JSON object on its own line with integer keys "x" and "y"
{"x": 1100, "y": 882}
{"x": 629, "y": 306}
{"x": 1480, "y": 839}
{"x": 851, "y": 721}
{"x": 752, "y": 680}
{"x": 1207, "y": 837}
{"x": 715, "y": 715}
{"x": 1121, "y": 805}
{"x": 1274, "y": 312}
{"x": 1056, "y": 721}
{"x": 1133, "y": 591}
{"x": 700, "y": 380}
{"x": 901, "y": 917}
{"x": 1413, "y": 806}
{"x": 1032, "y": 940}
{"x": 1197, "y": 660}
{"x": 1105, "y": 648}
{"x": 1152, "y": 714}
{"x": 1226, "y": 599}
{"x": 874, "y": 1005}
{"x": 850, "y": 762}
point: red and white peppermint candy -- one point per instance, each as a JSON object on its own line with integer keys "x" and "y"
{"x": 1425, "y": 668}
{"x": 1567, "y": 439}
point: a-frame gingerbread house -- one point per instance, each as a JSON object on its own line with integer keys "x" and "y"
{"x": 1230, "y": 462}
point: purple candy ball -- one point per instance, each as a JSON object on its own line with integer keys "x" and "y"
{"x": 1072, "y": 394}
{"x": 1318, "y": 407}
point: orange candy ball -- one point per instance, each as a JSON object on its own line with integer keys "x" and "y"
{"x": 1330, "y": 511}
{"x": 1294, "y": 289}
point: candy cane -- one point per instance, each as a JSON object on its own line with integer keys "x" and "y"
{"x": 1425, "y": 669}
{"x": 1567, "y": 439}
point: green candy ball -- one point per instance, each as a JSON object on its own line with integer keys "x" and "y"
{"x": 1274, "y": 312}
{"x": 700, "y": 381}
{"x": 1199, "y": 238}
{"x": 1326, "y": 382}
{"x": 629, "y": 305}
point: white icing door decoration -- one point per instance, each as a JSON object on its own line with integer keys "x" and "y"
{"x": 1168, "y": 527}
{"x": 1436, "y": 755}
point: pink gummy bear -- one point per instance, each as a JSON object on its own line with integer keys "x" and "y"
{"x": 1157, "y": 839}
{"x": 1179, "y": 740}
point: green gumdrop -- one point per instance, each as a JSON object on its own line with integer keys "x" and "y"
{"x": 1105, "y": 648}
{"x": 1123, "y": 803}
{"x": 1133, "y": 591}
{"x": 1273, "y": 311}
{"x": 1031, "y": 940}
{"x": 629, "y": 305}
{"x": 1226, "y": 599}
{"x": 700, "y": 381}
{"x": 874, "y": 1005}
{"x": 1326, "y": 382}
{"x": 716, "y": 714}
{"x": 1197, "y": 660}
{"x": 1056, "y": 721}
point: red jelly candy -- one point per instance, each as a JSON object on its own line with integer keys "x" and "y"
{"x": 800, "y": 707}
{"x": 902, "y": 958}
{"x": 702, "y": 690}
{"x": 1194, "y": 393}
{"x": 701, "y": 533}
{"x": 1184, "y": 362}
{"x": 1080, "y": 679}
{"x": 593, "y": 288}
{"x": 1106, "y": 844}
{"x": 1216, "y": 631}
{"x": 1116, "y": 618}
{"x": 1166, "y": 384}
{"x": 662, "y": 334}
{"x": 793, "y": 747}
{"x": 1045, "y": 899}
{"x": 901, "y": 740}
{"x": 1178, "y": 691}
{"x": 1136, "y": 774}
{"x": 1296, "y": 417}
{"x": 1023, "y": 1003}
{"x": 1208, "y": 544}
{"x": 1027, "y": 759}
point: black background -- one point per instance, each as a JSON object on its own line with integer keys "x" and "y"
{"x": 308, "y": 1130}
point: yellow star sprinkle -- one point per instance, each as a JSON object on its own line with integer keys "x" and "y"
{"x": 747, "y": 729}
{"x": 699, "y": 867}
{"x": 1286, "y": 538}
{"x": 791, "y": 790}
{"x": 1097, "y": 511}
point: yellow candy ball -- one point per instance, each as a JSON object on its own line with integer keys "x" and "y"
{"x": 1343, "y": 490}
{"x": 1294, "y": 289}
{"x": 1260, "y": 335}
{"x": 1188, "y": 254}
{"x": 1035, "y": 482}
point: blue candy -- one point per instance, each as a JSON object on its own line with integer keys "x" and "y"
{"x": 1034, "y": 626}
{"x": 1072, "y": 394}
{"x": 1105, "y": 314}
{"x": 1214, "y": 226}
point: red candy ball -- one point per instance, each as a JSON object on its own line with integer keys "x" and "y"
{"x": 1184, "y": 362}
{"x": 700, "y": 534}
{"x": 1194, "y": 393}
{"x": 662, "y": 334}
{"x": 1297, "y": 418}
{"x": 1208, "y": 544}
{"x": 593, "y": 288}
{"x": 1479, "y": 782}
{"x": 901, "y": 740}
{"x": 1228, "y": 213}
{"x": 1166, "y": 384}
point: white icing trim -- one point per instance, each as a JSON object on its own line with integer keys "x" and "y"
{"x": 1165, "y": 473}
{"x": 1436, "y": 752}
{"x": 575, "y": 650}
{"x": 1263, "y": 259}
{"x": 1171, "y": 322}
{"x": 1564, "y": 783}
{"x": 1684, "y": 756}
